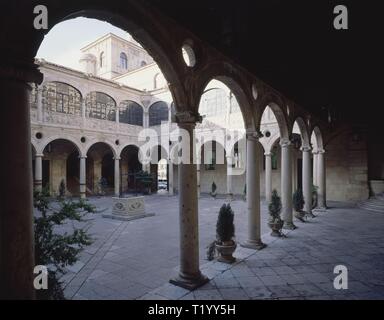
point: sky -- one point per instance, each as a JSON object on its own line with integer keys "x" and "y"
{"x": 63, "y": 42}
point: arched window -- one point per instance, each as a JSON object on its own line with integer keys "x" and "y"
{"x": 158, "y": 112}
{"x": 102, "y": 58}
{"x": 61, "y": 97}
{"x": 143, "y": 63}
{"x": 100, "y": 106}
{"x": 123, "y": 60}
{"x": 131, "y": 113}
{"x": 213, "y": 103}
{"x": 158, "y": 81}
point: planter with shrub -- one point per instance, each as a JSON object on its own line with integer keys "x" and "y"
{"x": 298, "y": 205}
{"x": 274, "y": 209}
{"x": 225, "y": 244}
{"x": 213, "y": 190}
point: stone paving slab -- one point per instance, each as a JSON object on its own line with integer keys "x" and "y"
{"x": 136, "y": 259}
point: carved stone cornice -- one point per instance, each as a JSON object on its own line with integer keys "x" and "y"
{"x": 187, "y": 117}
{"x": 20, "y": 71}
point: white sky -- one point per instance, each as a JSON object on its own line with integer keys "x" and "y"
{"x": 63, "y": 42}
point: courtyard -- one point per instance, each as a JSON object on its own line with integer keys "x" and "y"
{"x": 135, "y": 259}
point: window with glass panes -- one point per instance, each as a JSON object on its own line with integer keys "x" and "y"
{"x": 158, "y": 112}
{"x": 61, "y": 97}
{"x": 131, "y": 112}
{"x": 100, "y": 106}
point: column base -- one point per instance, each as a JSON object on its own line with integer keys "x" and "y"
{"x": 253, "y": 244}
{"x": 82, "y": 196}
{"x": 289, "y": 225}
{"x": 189, "y": 283}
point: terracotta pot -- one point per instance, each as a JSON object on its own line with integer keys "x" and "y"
{"x": 225, "y": 251}
{"x": 276, "y": 228}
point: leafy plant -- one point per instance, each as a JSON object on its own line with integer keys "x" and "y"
{"x": 225, "y": 228}
{"x": 274, "y": 207}
{"x": 62, "y": 188}
{"x": 298, "y": 200}
{"x": 58, "y": 250}
{"x": 211, "y": 251}
{"x": 314, "y": 196}
{"x": 213, "y": 188}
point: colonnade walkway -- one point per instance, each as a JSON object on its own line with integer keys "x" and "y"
{"x": 136, "y": 259}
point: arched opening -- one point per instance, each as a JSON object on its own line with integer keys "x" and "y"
{"x": 123, "y": 61}
{"x": 159, "y": 169}
{"x": 61, "y": 97}
{"x": 130, "y": 165}
{"x": 158, "y": 112}
{"x": 100, "y": 169}
{"x": 100, "y": 106}
{"x": 131, "y": 112}
{"x": 60, "y": 163}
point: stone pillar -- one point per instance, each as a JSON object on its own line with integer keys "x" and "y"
{"x": 117, "y": 176}
{"x": 307, "y": 179}
{"x": 39, "y": 104}
{"x": 189, "y": 276}
{"x": 16, "y": 215}
{"x": 229, "y": 176}
{"x": 286, "y": 185}
{"x": 253, "y": 194}
{"x": 322, "y": 203}
{"x": 83, "y": 182}
{"x": 146, "y": 119}
{"x": 38, "y": 172}
{"x": 268, "y": 177}
{"x": 315, "y": 165}
{"x": 170, "y": 177}
{"x": 117, "y": 114}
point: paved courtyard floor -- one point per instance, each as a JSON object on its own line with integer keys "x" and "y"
{"x": 135, "y": 259}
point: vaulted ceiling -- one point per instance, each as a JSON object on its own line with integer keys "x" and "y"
{"x": 293, "y": 46}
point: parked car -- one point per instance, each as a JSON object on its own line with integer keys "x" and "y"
{"x": 162, "y": 185}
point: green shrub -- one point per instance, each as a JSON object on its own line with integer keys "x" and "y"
{"x": 274, "y": 207}
{"x": 298, "y": 200}
{"x": 225, "y": 228}
{"x": 54, "y": 250}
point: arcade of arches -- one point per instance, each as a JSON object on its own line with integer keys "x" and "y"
{"x": 84, "y": 130}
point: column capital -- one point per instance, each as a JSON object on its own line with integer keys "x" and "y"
{"x": 285, "y": 143}
{"x": 82, "y": 157}
{"x": 268, "y": 154}
{"x": 40, "y": 155}
{"x": 117, "y": 158}
{"x": 254, "y": 135}
{"x": 187, "y": 118}
{"x": 20, "y": 71}
{"x": 320, "y": 151}
{"x": 306, "y": 149}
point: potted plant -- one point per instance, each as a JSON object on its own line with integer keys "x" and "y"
{"x": 225, "y": 231}
{"x": 298, "y": 205}
{"x": 314, "y": 196}
{"x": 274, "y": 209}
{"x": 62, "y": 189}
{"x": 213, "y": 190}
{"x": 245, "y": 192}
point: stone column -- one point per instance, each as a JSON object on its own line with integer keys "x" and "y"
{"x": 229, "y": 176}
{"x": 307, "y": 179}
{"x": 39, "y": 104}
{"x": 83, "y": 183}
{"x": 146, "y": 119}
{"x": 189, "y": 276}
{"x": 38, "y": 172}
{"x": 170, "y": 178}
{"x": 16, "y": 214}
{"x": 253, "y": 194}
{"x": 286, "y": 185}
{"x": 268, "y": 177}
{"x": 117, "y": 176}
{"x": 322, "y": 204}
{"x": 315, "y": 165}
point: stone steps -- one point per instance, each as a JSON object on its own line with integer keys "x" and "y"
{"x": 375, "y": 204}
